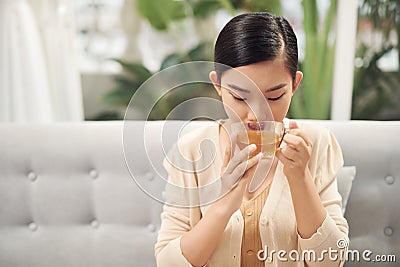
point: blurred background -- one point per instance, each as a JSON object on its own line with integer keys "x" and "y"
{"x": 74, "y": 60}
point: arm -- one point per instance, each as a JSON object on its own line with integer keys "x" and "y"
{"x": 319, "y": 219}
{"x": 179, "y": 244}
{"x": 198, "y": 244}
{"x": 308, "y": 208}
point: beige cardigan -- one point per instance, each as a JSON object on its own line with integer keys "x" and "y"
{"x": 277, "y": 222}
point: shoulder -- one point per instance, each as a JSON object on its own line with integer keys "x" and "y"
{"x": 191, "y": 143}
{"x": 192, "y": 148}
{"x": 316, "y": 131}
{"x": 317, "y": 134}
{"x": 197, "y": 134}
{"x": 326, "y": 156}
{"x": 324, "y": 144}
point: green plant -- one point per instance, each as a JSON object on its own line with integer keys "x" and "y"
{"x": 160, "y": 13}
{"x": 313, "y": 99}
{"x": 127, "y": 83}
{"x": 376, "y": 94}
{"x": 385, "y": 18}
{"x": 134, "y": 75}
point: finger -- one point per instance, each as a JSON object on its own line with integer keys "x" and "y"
{"x": 302, "y": 134}
{"x": 296, "y": 142}
{"x": 227, "y": 156}
{"x": 244, "y": 166}
{"x": 240, "y": 170}
{"x": 290, "y": 152}
{"x": 233, "y": 143}
{"x": 228, "y": 151}
{"x": 240, "y": 157}
{"x": 285, "y": 160}
{"x": 294, "y": 129}
{"x": 254, "y": 160}
{"x": 293, "y": 125}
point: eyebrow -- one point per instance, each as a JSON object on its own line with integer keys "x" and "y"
{"x": 237, "y": 88}
{"x": 274, "y": 88}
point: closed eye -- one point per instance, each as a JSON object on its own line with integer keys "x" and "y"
{"x": 238, "y": 98}
{"x": 276, "y": 98}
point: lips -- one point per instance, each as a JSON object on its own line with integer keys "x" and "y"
{"x": 257, "y": 126}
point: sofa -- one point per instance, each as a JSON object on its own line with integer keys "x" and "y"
{"x": 86, "y": 194}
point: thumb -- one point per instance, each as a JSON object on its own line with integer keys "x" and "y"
{"x": 293, "y": 125}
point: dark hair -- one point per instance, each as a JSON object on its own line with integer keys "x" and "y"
{"x": 255, "y": 37}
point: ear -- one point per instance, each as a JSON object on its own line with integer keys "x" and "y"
{"x": 213, "y": 79}
{"x": 299, "y": 77}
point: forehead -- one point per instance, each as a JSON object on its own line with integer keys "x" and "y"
{"x": 263, "y": 74}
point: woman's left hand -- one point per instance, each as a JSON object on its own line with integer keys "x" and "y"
{"x": 296, "y": 153}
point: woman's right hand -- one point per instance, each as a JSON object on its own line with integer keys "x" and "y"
{"x": 234, "y": 179}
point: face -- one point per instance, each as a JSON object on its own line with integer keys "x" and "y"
{"x": 256, "y": 92}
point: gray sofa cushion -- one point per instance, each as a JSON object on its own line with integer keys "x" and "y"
{"x": 67, "y": 197}
{"x": 345, "y": 179}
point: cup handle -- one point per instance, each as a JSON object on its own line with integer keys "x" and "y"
{"x": 285, "y": 130}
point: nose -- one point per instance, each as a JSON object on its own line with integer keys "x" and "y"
{"x": 259, "y": 111}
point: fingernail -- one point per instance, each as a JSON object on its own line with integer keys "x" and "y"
{"x": 252, "y": 147}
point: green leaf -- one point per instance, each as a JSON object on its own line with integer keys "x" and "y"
{"x": 108, "y": 116}
{"x": 324, "y": 36}
{"x": 237, "y": 4}
{"x": 228, "y": 6}
{"x": 118, "y": 97}
{"x": 272, "y": 6}
{"x": 311, "y": 19}
{"x": 171, "y": 60}
{"x": 375, "y": 93}
{"x": 161, "y": 12}
{"x": 314, "y": 100}
{"x": 203, "y": 51}
{"x": 125, "y": 82}
{"x": 140, "y": 71}
{"x": 204, "y": 8}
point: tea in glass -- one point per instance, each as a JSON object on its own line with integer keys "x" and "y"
{"x": 266, "y": 135}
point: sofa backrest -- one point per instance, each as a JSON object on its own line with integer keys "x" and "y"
{"x": 67, "y": 197}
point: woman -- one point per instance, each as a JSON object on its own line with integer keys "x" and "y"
{"x": 297, "y": 208}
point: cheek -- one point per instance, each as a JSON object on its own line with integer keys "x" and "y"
{"x": 280, "y": 109}
{"x": 233, "y": 109}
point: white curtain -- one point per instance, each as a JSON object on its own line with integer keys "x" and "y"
{"x": 56, "y": 26}
{"x": 131, "y": 20}
{"x": 24, "y": 90}
{"x": 39, "y": 77}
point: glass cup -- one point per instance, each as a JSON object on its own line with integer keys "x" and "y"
{"x": 266, "y": 135}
